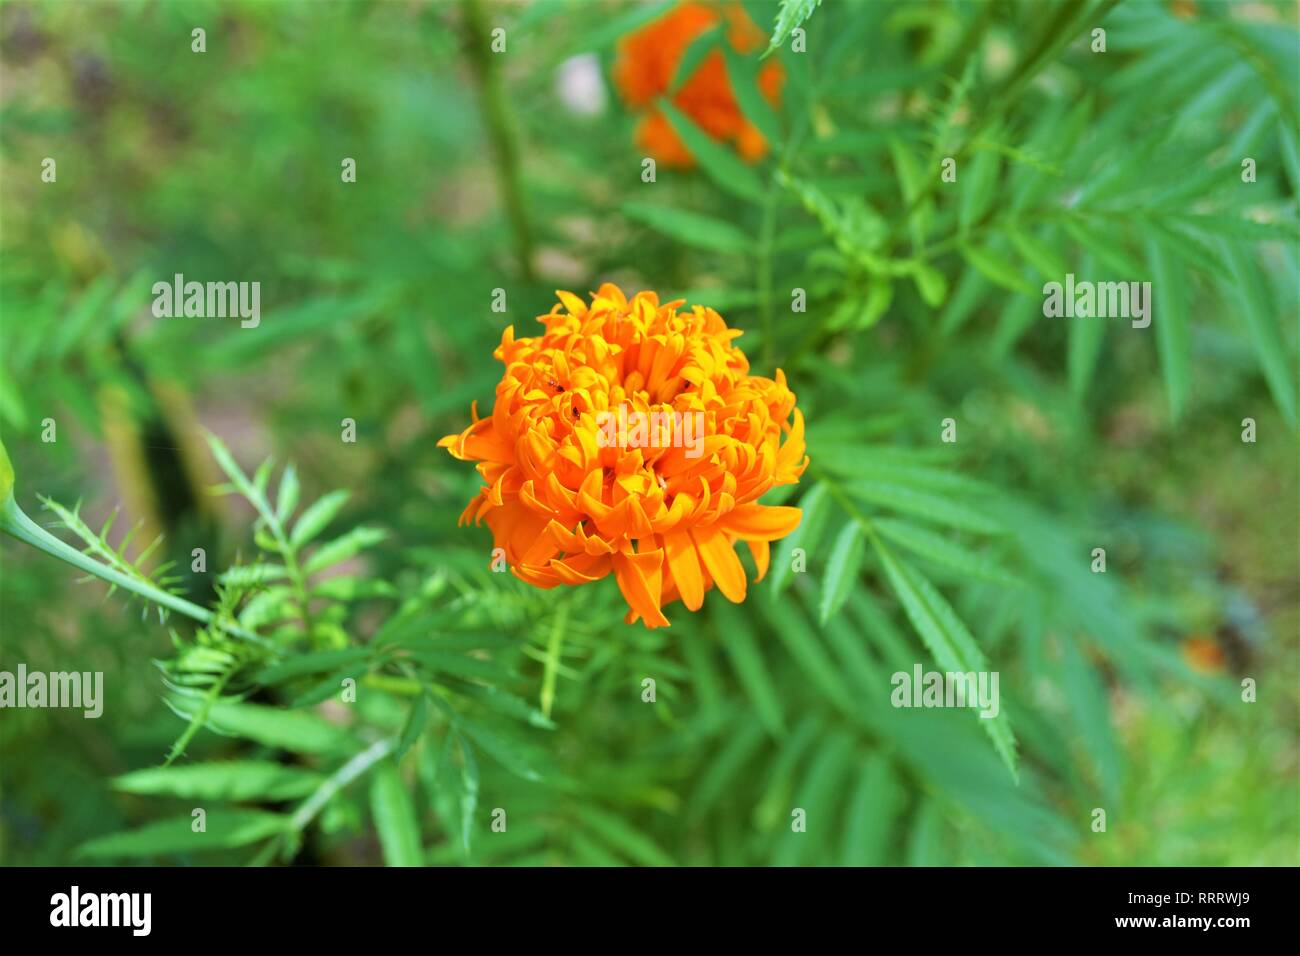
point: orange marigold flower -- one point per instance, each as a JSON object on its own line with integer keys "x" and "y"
{"x": 572, "y": 494}
{"x": 647, "y": 63}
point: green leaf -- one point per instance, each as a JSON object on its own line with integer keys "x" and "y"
{"x": 297, "y": 731}
{"x": 462, "y": 665}
{"x": 946, "y": 637}
{"x": 1086, "y": 338}
{"x": 287, "y": 494}
{"x": 801, "y": 640}
{"x": 816, "y": 507}
{"x": 996, "y": 268}
{"x": 343, "y": 547}
{"x": 228, "y": 465}
{"x": 791, "y": 14}
{"x": 1172, "y": 328}
{"x": 842, "y": 569}
{"x": 499, "y": 749}
{"x": 468, "y": 791}
{"x": 394, "y": 814}
{"x": 607, "y": 31}
{"x": 923, "y": 505}
{"x": 720, "y": 162}
{"x": 872, "y": 817}
{"x": 312, "y": 662}
{"x": 738, "y": 642}
{"x": 743, "y": 73}
{"x": 347, "y": 588}
{"x": 931, "y": 284}
{"x": 249, "y": 575}
{"x": 1234, "y": 227}
{"x": 1039, "y": 253}
{"x": 223, "y": 830}
{"x": 1265, "y": 332}
{"x": 978, "y": 186}
{"x": 911, "y": 182}
{"x": 416, "y": 721}
{"x": 317, "y": 515}
{"x": 689, "y": 228}
{"x": 941, "y": 550}
{"x": 622, "y": 836}
{"x": 228, "y": 780}
{"x": 695, "y": 54}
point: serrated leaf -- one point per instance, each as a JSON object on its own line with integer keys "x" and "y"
{"x": 315, "y": 518}
{"x": 416, "y": 721}
{"x": 791, "y": 15}
{"x": 345, "y": 588}
{"x": 499, "y": 749}
{"x": 925, "y": 506}
{"x": 312, "y": 662}
{"x": 297, "y": 731}
{"x": 1265, "y": 332}
{"x": 223, "y": 830}
{"x": 842, "y": 569}
{"x": 816, "y": 506}
{"x": 341, "y": 548}
{"x": 690, "y": 228}
{"x": 248, "y": 575}
{"x": 286, "y": 498}
{"x": 227, "y": 780}
{"x": 941, "y": 550}
{"x": 947, "y": 638}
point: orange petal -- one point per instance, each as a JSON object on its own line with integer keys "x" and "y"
{"x": 754, "y": 522}
{"x": 636, "y": 574}
{"x": 719, "y": 557}
{"x": 684, "y": 565}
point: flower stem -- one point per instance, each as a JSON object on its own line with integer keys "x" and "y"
{"x": 505, "y": 144}
{"x": 14, "y": 521}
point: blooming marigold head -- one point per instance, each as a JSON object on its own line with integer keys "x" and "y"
{"x": 630, "y": 438}
{"x": 647, "y": 65}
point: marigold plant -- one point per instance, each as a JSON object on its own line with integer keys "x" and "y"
{"x": 646, "y": 69}
{"x": 569, "y": 508}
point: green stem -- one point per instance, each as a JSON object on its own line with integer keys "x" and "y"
{"x": 766, "y": 238}
{"x": 505, "y": 143}
{"x": 15, "y": 522}
{"x": 340, "y": 779}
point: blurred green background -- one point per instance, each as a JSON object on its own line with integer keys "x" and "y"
{"x": 519, "y": 171}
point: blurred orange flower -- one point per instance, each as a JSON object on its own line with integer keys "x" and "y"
{"x": 647, "y": 63}
{"x": 1203, "y": 654}
{"x": 570, "y": 504}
